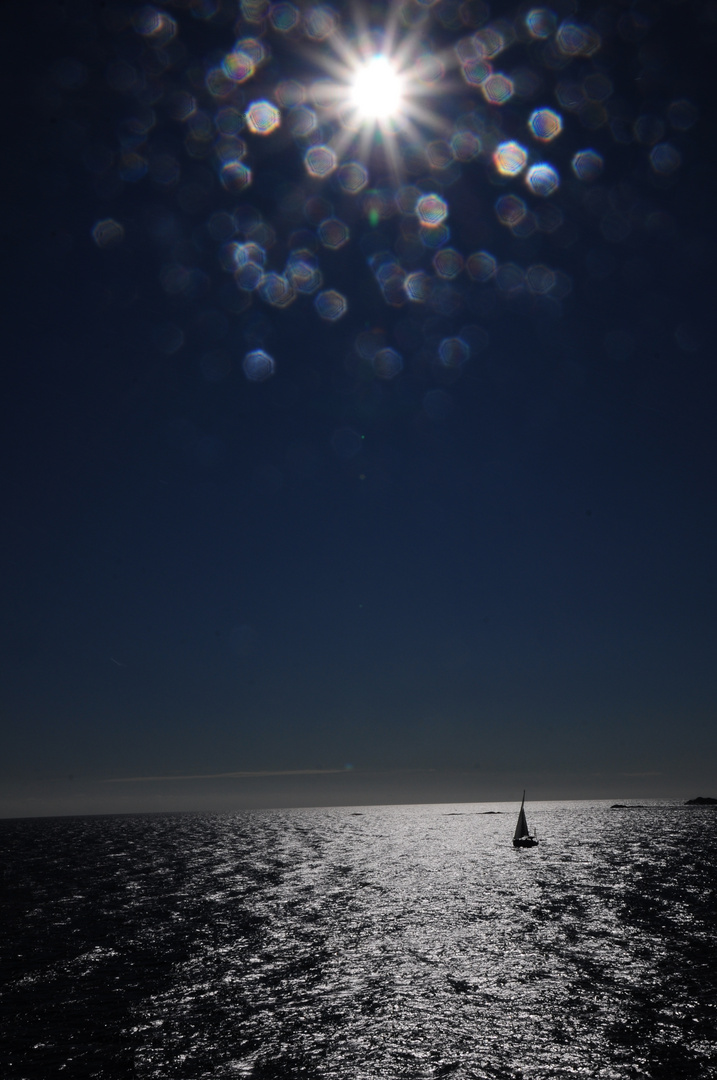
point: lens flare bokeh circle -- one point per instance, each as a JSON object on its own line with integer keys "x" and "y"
{"x": 353, "y": 163}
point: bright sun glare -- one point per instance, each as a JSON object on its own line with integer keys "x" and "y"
{"x": 377, "y": 90}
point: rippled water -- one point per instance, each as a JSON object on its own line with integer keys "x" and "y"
{"x": 389, "y": 942}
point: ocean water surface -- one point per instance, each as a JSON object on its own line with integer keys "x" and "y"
{"x": 380, "y": 942}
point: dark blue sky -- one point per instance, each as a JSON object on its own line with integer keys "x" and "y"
{"x": 475, "y": 574}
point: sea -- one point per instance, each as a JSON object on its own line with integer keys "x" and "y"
{"x": 360, "y": 943}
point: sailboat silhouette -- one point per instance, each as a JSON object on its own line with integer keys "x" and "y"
{"x": 522, "y": 837}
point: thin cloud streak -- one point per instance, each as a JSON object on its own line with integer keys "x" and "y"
{"x": 641, "y": 774}
{"x": 225, "y": 775}
{"x": 259, "y": 772}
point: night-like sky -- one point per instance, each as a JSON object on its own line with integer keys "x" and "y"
{"x": 360, "y": 446}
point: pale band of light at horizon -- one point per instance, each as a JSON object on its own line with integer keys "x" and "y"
{"x": 225, "y": 775}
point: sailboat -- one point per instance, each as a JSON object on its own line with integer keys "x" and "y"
{"x": 521, "y": 836}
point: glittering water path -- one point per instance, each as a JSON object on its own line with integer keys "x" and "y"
{"x": 379, "y": 942}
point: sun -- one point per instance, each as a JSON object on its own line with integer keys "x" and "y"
{"x": 379, "y": 96}
{"x": 377, "y": 90}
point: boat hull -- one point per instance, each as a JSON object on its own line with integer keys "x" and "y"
{"x": 525, "y": 841}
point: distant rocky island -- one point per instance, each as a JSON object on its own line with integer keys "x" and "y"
{"x": 701, "y": 800}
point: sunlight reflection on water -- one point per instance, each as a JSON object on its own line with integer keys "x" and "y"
{"x": 381, "y": 942}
